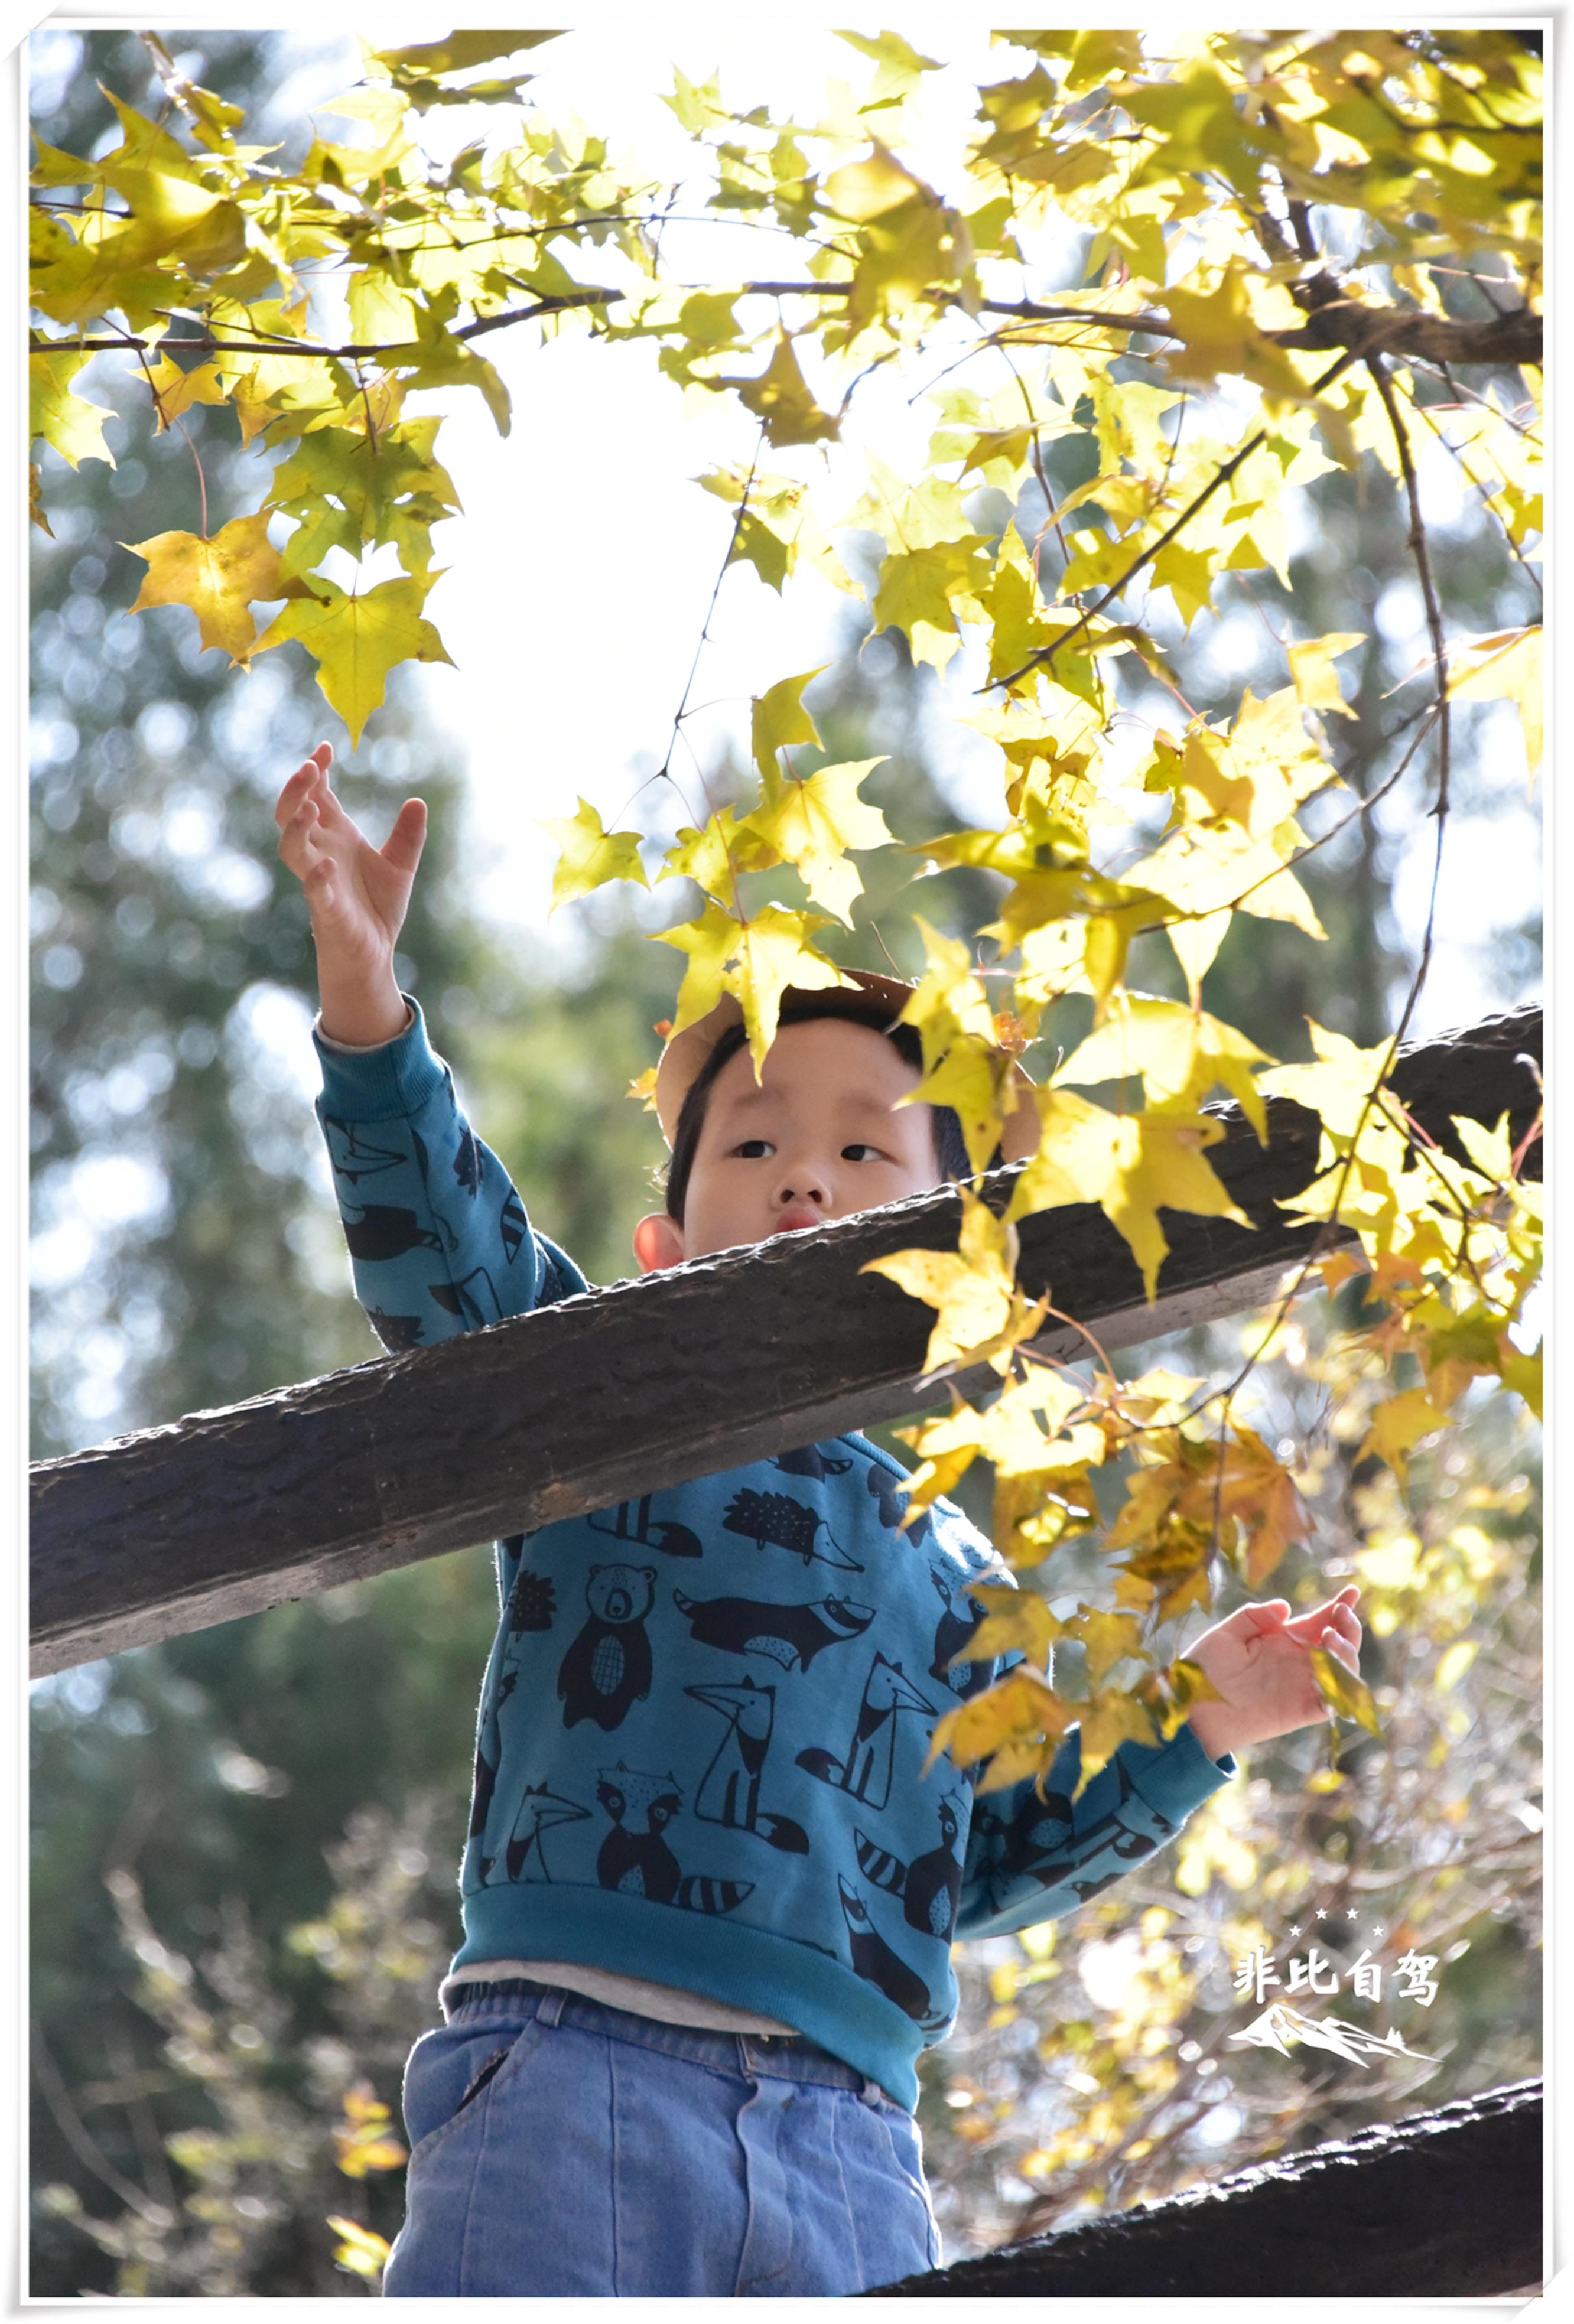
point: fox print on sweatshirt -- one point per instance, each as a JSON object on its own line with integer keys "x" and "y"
{"x": 703, "y": 1728}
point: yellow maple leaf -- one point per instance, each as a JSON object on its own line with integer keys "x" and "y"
{"x": 773, "y": 951}
{"x": 219, "y": 578}
{"x": 1398, "y": 1424}
{"x": 1105, "y": 1722}
{"x": 1491, "y": 1151}
{"x": 967, "y": 1063}
{"x": 176, "y": 390}
{"x": 1181, "y": 1053}
{"x": 1076, "y": 1158}
{"x": 1258, "y": 1491}
{"x": 1159, "y": 1164}
{"x": 1108, "y": 1638}
{"x": 360, "y": 2249}
{"x": 1195, "y": 944}
{"x": 909, "y": 239}
{"x": 1202, "y": 870}
{"x": 754, "y": 959}
{"x": 1217, "y": 334}
{"x": 356, "y": 640}
{"x": 1343, "y": 1692}
{"x": 778, "y": 717}
{"x": 1013, "y": 1715}
{"x": 974, "y": 1288}
{"x": 61, "y": 417}
{"x": 591, "y": 855}
{"x": 1311, "y": 667}
{"x": 1016, "y": 1622}
{"x": 1131, "y": 1164}
{"x": 781, "y": 398}
{"x": 812, "y": 823}
{"x": 1018, "y": 1432}
{"x": 716, "y": 854}
{"x": 1504, "y": 665}
{"x": 950, "y": 998}
{"x": 872, "y": 187}
{"x": 1337, "y": 1087}
{"x": 710, "y": 941}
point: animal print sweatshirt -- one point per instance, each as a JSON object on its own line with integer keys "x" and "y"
{"x": 702, "y": 1731}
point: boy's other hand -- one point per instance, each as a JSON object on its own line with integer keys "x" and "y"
{"x": 358, "y": 896}
{"x": 1260, "y": 1660}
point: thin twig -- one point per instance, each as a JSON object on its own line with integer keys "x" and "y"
{"x": 716, "y": 592}
{"x": 1378, "y": 368}
{"x": 80, "y": 2139}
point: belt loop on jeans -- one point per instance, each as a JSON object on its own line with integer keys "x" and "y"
{"x": 873, "y": 2094}
{"x": 550, "y": 2007}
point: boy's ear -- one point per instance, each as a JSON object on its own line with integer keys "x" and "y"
{"x": 658, "y": 1242}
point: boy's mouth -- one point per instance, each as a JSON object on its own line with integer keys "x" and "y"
{"x": 791, "y": 1220}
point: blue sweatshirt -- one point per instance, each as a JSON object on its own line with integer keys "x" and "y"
{"x": 705, "y": 1713}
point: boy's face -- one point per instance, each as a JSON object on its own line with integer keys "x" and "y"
{"x": 816, "y": 1139}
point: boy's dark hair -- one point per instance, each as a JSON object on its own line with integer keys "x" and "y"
{"x": 949, "y": 1146}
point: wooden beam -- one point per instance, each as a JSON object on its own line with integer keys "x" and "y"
{"x": 631, "y": 1389}
{"x": 1435, "y": 2207}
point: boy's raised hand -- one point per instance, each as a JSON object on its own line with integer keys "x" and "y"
{"x": 358, "y": 896}
{"x": 1260, "y": 1660}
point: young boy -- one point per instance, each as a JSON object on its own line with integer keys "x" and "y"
{"x": 708, "y": 1897}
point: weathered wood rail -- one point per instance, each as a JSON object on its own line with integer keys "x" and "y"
{"x": 630, "y": 1390}
{"x": 1447, "y": 2204}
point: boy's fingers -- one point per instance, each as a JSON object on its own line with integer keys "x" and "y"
{"x": 1267, "y": 1616}
{"x": 309, "y": 777}
{"x": 293, "y": 792}
{"x": 294, "y": 838}
{"x": 1334, "y": 1609}
{"x": 401, "y": 850}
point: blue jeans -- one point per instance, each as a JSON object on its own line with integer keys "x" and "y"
{"x": 560, "y": 2148}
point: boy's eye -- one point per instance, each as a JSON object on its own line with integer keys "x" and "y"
{"x": 754, "y": 1149}
{"x": 861, "y": 1154}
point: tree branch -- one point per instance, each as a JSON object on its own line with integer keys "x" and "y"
{"x": 1344, "y": 323}
{"x": 1514, "y": 339}
{"x": 203, "y": 343}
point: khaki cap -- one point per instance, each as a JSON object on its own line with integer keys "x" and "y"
{"x": 684, "y": 1057}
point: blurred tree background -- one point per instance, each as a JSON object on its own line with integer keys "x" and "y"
{"x": 242, "y": 1867}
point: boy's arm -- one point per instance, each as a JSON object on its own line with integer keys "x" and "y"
{"x": 1031, "y": 1858}
{"x": 438, "y": 1236}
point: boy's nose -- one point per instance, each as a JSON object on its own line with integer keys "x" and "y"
{"x": 801, "y": 1186}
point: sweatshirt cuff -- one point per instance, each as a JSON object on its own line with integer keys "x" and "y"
{"x": 1177, "y": 1776}
{"x": 360, "y": 1048}
{"x": 379, "y": 1084}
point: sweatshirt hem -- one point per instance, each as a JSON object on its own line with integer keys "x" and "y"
{"x": 752, "y": 1969}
